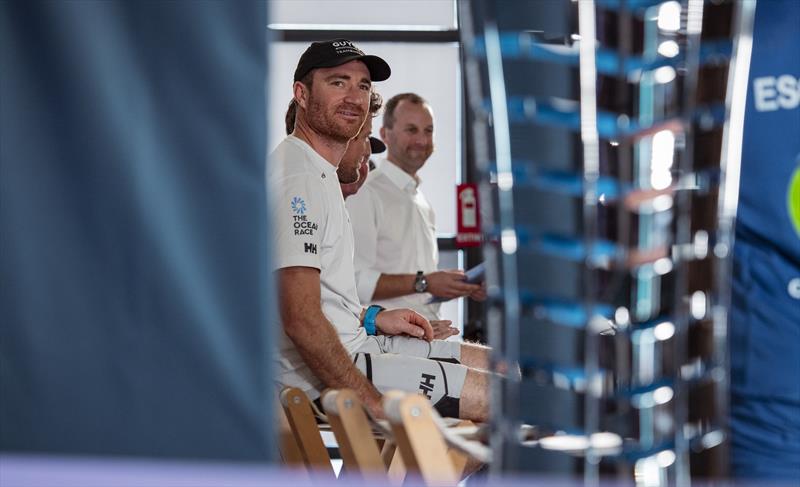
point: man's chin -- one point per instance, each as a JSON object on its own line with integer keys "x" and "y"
{"x": 339, "y": 136}
{"x": 348, "y": 178}
{"x": 339, "y": 132}
{"x": 418, "y": 158}
{"x": 348, "y": 129}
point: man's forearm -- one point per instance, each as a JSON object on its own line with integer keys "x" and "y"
{"x": 446, "y": 284}
{"x": 319, "y": 346}
{"x": 314, "y": 336}
{"x": 393, "y": 286}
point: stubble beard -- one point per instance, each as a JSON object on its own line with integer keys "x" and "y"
{"x": 325, "y": 123}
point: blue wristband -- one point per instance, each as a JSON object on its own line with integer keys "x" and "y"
{"x": 369, "y": 319}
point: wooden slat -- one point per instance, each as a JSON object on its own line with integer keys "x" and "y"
{"x": 393, "y": 460}
{"x": 289, "y": 449}
{"x": 304, "y": 427}
{"x": 419, "y": 439}
{"x": 353, "y": 431}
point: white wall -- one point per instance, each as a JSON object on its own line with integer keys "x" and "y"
{"x": 373, "y": 14}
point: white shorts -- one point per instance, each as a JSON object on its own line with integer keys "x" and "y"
{"x": 432, "y": 369}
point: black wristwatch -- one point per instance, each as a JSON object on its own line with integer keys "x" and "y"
{"x": 420, "y": 283}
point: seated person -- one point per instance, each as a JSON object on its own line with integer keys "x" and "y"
{"x": 328, "y": 339}
{"x": 397, "y": 256}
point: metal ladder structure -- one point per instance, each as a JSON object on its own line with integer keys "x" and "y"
{"x": 606, "y": 135}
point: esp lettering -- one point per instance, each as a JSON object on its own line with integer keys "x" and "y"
{"x": 775, "y": 92}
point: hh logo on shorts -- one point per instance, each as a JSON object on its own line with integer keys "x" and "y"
{"x": 426, "y": 384}
{"x": 310, "y": 248}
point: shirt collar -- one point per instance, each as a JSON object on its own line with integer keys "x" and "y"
{"x": 400, "y": 178}
{"x": 319, "y": 161}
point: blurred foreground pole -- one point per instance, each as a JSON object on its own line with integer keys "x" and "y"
{"x": 134, "y": 296}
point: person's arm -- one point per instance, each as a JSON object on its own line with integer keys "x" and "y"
{"x": 442, "y": 284}
{"x": 315, "y": 337}
{"x": 366, "y": 213}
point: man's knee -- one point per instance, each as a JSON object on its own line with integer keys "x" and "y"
{"x": 474, "y": 403}
{"x": 475, "y": 356}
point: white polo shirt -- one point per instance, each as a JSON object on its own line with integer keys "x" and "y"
{"x": 310, "y": 227}
{"x": 395, "y": 233}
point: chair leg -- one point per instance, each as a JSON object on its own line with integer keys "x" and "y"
{"x": 306, "y": 432}
{"x": 419, "y": 439}
{"x": 353, "y": 432}
{"x": 289, "y": 449}
{"x": 393, "y": 460}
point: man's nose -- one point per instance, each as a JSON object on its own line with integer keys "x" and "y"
{"x": 355, "y": 95}
{"x": 421, "y": 140}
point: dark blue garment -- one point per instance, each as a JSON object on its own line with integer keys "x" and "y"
{"x": 765, "y": 314}
{"x": 133, "y": 303}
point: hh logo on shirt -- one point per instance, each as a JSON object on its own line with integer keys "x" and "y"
{"x": 310, "y": 248}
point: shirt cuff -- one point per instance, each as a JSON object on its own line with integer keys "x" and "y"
{"x": 366, "y": 282}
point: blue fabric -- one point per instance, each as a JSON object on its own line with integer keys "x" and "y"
{"x": 765, "y": 317}
{"x": 132, "y": 227}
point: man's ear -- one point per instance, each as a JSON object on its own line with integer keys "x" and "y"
{"x": 300, "y": 94}
{"x": 383, "y": 133}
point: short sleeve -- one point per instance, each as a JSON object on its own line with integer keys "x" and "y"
{"x": 298, "y": 219}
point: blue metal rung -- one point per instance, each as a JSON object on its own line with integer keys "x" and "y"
{"x": 565, "y": 313}
{"x": 567, "y": 248}
{"x": 526, "y": 174}
{"x": 645, "y": 389}
{"x": 633, "y": 5}
{"x": 571, "y": 376}
{"x": 631, "y": 453}
{"x": 519, "y": 45}
{"x": 566, "y": 114}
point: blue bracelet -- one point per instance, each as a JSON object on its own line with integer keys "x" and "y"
{"x": 369, "y": 319}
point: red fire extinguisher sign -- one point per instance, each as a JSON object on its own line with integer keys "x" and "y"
{"x": 468, "y": 218}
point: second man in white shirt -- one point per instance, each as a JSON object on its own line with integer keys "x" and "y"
{"x": 396, "y": 254}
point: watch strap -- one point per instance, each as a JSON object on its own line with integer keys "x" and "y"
{"x": 369, "y": 319}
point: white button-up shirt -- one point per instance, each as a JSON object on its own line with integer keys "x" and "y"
{"x": 394, "y": 229}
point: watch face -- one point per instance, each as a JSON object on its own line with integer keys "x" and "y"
{"x": 421, "y": 284}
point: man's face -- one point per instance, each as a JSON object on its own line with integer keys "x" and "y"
{"x": 339, "y": 100}
{"x": 352, "y": 188}
{"x": 410, "y": 140}
{"x": 356, "y": 156}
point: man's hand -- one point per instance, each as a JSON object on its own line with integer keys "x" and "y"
{"x": 442, "y": 329}
{"x": 404, "y": 322}
{"x": 479, "y": 295}
{"x": 450, "y": 284}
